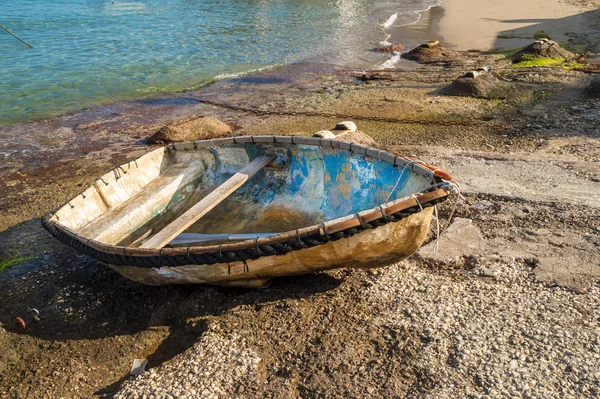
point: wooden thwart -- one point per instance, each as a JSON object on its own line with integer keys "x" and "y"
{"x": 197, "y": 211}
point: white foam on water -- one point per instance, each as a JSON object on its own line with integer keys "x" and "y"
{"x": 396, "y": 57}
{"x": 238, "y": 74}
{"x": 390, "y": 21}
{"x": 391, "y": 62}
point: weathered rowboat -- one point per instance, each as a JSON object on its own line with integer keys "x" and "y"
{"x": 184, "y": 213}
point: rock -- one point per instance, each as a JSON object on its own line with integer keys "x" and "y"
{"x": 486, "y": 85}
{"x": 431, "y": 52}
{"x": 347, "y": 131}
{"x": 20, "y": 324}
{"x": 535, "y": 112}
{"x": 357, "y": 137}
{"x": 346, "y": 125}
{"x": 543, "y": 48}
{"x": 189, "y": 129}
{"x": 482, "y": 205}
{"x": 462, "y": 238}
{"x": 394, "y": 48}
{"x": 138, "y": 366}
{"x": 324, "y": 134}
{"x": 593, "y": 90}
{"x": 472, "y": 74}
{"x": 488, "y": 272}
{"x": 431, "y": 44}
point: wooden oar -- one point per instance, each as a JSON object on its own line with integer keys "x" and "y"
{"x": 179, "y": 225}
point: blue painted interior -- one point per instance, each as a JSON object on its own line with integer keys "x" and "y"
{"x": 331, "y": 182}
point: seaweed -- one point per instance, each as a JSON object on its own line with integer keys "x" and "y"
{"x": 13, "y": 261}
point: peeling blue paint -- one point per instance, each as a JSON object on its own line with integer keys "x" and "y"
{"x": 333, "y": 182}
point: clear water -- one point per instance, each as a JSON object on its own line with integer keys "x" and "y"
{"x": 90, "y": 52}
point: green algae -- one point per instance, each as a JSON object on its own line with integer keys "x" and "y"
{"x": 10, "y": 262}
{"x": 529, "y": 62}
{"x": 538, "y": 34}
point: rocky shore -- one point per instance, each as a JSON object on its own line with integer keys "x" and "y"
{"x": 508, "y": 307}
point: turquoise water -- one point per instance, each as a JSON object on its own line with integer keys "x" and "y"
{"x": 90, "y": 52}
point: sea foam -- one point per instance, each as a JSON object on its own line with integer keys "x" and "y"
{"x": 390, "y": 21}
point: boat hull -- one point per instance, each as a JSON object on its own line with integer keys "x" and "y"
{"x": 371, "y": 248}
{"x": 318, "y": 205}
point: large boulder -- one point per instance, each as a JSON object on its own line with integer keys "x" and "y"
{"x": 190, "y": 129}
{"x": 431, "y": 52}
{"x": 543, "y": 48}
{"x": 593, "y": 90}
{"x": 481, "y": 84}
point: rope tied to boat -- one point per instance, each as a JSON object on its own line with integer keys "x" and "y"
{"x": 300, "y": 243}
{"x": 417, "y": 200}
{"x": 399, "y": 178}
{"x": 385, "y": 216}
{"x": 454, "y": 188}
{"x": 361, "y": 221}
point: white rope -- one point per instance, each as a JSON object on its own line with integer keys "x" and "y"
{"x": 398, "y": 181}
{"x": 417, "y": 200}
{"x": 454, "y": 189}
{"x": 437, "y": 233}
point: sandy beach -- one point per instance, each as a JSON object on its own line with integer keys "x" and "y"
{"x": 508, "y": 307}
{"x": 486, "y": 24}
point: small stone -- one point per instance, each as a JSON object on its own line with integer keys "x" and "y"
{"x": 324, "y": 134}
{"x": 346, "y": 125}
{"x": 488, "y": 272}
{"x": 482, "y": 205}
{"x": 472, "y": 74}
{"x": 20, "y": 323}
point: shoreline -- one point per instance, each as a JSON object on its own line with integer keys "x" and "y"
{"x": 365, "y": 59}
{"x": 458, "y": 24}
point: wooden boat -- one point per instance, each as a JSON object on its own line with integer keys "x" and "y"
{"x": 239, "y": 211}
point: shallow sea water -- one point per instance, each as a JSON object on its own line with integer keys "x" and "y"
{"x": 91, "y": 52}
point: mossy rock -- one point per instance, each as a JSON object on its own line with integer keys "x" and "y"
{"x": 190, "y": 129}
{"x": 543, "y": 49}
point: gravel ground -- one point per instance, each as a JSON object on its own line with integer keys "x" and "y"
{"x": 509, "y": 307}
{"x": 212, "y": 368}
{"x": 475, "y": 326}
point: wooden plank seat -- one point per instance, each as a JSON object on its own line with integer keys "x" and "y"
{"x": 207, "y": 203}
{"x": 125, "y": 222}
